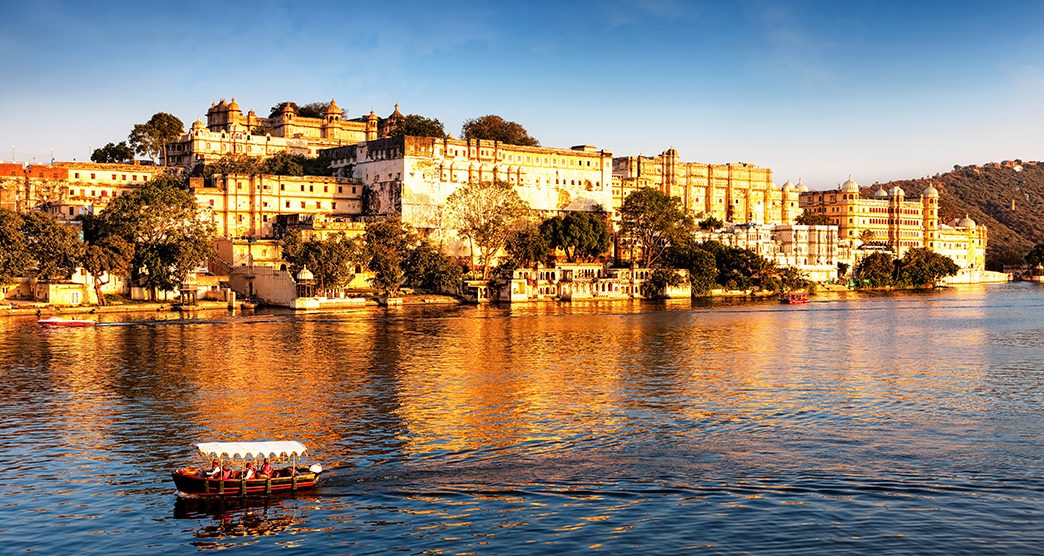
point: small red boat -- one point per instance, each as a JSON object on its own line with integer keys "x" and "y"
{"x": 794, "y": 298}
{"x": 292, "y": 478}
{"x": 55, "y": 322}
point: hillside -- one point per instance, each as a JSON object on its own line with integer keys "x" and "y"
{"x": 986, "y": 193}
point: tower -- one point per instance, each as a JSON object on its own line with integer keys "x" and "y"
{"x": 930, "y": 215}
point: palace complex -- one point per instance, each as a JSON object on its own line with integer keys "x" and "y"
{"x": 889, "y": 219}
{"x": 377, "y": 173}
{"x": 413, "y": 176}
{"x": 729, "y": 192}
{"x": 227, "y": 130}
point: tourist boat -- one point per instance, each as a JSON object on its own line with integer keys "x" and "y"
{"x": 289, "y": 478}
{"x": 794, "y": 298}
{"x": 56, "y": 322}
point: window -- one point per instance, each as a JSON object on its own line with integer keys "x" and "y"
{"x": 92, "y": 176}
{"x": 326, "y": 189}
{"x": 288, "y": 204}
{"x": 77, "y": 174}
{"x": 340, "y": 189}
{"x": 282, "y": 187}
{"x": 212, "y": 202}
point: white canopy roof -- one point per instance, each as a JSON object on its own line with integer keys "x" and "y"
{"x": 242, "y": 450}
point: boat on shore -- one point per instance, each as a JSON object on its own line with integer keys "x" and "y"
{"x": 794, "y": 298}
{"x": 234, "y": 459}
{"x": 58, "y": 322}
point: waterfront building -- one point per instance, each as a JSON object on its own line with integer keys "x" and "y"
{"x": 889, "y": 218}
{"x": 580, "y": 281}
{"x": 246, "y": 206}
{"x": 228, "y": 130}
{"x": 70, "y": 185}
{"x": 742, "y": 193}
{"x": 812, "y": 250}
{"x": 412, "y": 177}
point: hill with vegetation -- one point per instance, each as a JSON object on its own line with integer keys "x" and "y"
{"x": 1008, "y": 197}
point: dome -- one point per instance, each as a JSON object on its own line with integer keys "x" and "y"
{"x": 221, "y": 105}
{"x": 930, "y": 191}
{"x": 232, "y": 105}
{"x": 880, "y": 194}
{"x": 850, "y": 186}
{"x": 896, "y": 191}
{"x": 305, "y": 274}
{"x": 966, "y": 222}
{"x": 333, "y": 108}
{"x": 787, "y": 186}
{"x": 801, "y": 187}
{"x": 198, "y": 124}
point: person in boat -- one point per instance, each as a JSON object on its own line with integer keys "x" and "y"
{"x": 215, "y": 471}
{"x": 249, "y": 472}
{"x": 266, "y": 470}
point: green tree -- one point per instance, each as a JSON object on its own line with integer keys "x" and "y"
{"x": 527, "y": 246}
{"x": 866, "y": 236}
{"x": 106, "y": 252}
{"x": 876, "y": 270}
{"x": 332, "y": 260}
{"x": 152, "y": 137}
{"x": 652, "y": 220}
{"x": 659, "y": 280}
{"x": 1035, "y": 255}
{"x": 54, "y": 248}
{"x": 812, "y": 219}
{"x": 315, "y": 110}
{"x": 485, "y": 213}
{"x": 163, "y": 223}
{"x": 710, "y": 223}
{"x": 14, "y": 254}
{"x": 387, "y": 244}
{"x": 701, "y": 264}
{"x": 278, "y": 108}
{"x": 923, "y": 268}
{"x": 233, "y": 163}
{"x": 580, "y": 235}
{"x": 113, "y": 153}
{"x": 427, "y": 268}
{"x": 496, "y": 128}
{"x": 418, "y": 126}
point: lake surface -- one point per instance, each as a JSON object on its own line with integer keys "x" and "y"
{"x": 855, "y": 424}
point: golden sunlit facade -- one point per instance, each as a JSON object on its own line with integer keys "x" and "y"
{"x": 741, "y": 193}
{"x": 889, "y": 218}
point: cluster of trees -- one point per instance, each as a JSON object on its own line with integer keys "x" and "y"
{"x": 580, "y": 236}
{"x": 662, "y": 232}
{"x": 279, "y": 164}
{"x": 419, "y": 126}
{"x": 919, "y": 268}
{"x": 812, "y": 219}
{"x": 1035, "y": 255}
{"x": 496, "y": 128}
{"x": 154, "y": 234}
{"x": 396, "y": 255}
{"x": 310, "y": 110}
{"x": 120, "y": 153}
{"x": 152, "y": 137}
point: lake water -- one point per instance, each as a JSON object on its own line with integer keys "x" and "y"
{"x": 855, "y": 424}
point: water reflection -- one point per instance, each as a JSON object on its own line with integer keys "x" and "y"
{"x": 606, "y": 425}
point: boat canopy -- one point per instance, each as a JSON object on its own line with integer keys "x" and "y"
{"x": 255, "y": 450}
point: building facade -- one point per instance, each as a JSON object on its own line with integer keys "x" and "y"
{"x": 228, "y": 130}
{"x": 812, "y": 250}
{"x": 413, "y": 176}
{"x": 246, "y": 206}
{"x": 741, "y": 193}
{"x": 890, "y": 219}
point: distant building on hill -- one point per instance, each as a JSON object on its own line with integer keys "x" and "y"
{"x": 228, "y": 130}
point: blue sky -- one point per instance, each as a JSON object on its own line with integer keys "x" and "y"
{"x": 817, "y": 89}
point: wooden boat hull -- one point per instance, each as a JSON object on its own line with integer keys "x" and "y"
{"x": 194, "y": 485}
{"x": 65, "y": 323}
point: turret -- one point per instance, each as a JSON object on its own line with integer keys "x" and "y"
{"x": 930, "y": 215}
